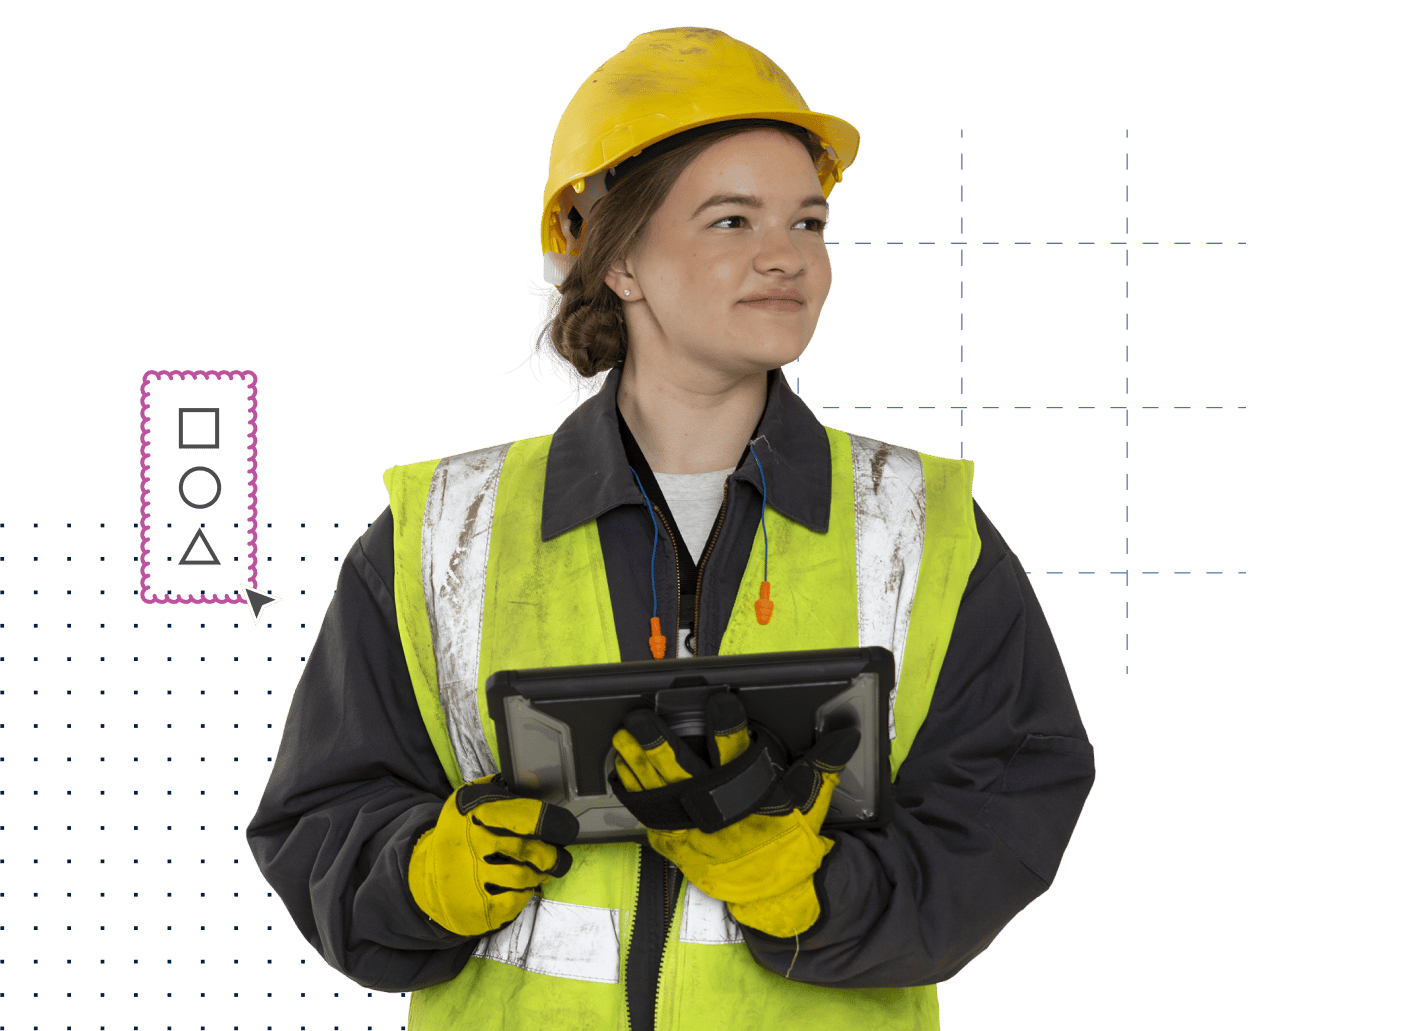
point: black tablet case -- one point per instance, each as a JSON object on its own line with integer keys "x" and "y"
{"x": 555, "y": 726}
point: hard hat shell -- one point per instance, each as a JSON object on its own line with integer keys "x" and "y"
{"x": 663, "y": 83}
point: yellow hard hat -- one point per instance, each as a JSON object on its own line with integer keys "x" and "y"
{"x": 661, "y": 84}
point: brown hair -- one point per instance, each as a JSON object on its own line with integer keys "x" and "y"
{"x": 586, "y": 325}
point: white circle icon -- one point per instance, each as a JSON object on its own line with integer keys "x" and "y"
{"x": 200, "y": 487}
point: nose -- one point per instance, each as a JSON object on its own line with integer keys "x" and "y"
{"x": 777, "y": 250}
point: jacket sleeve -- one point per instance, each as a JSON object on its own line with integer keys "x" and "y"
{"x": 355, "y": 783}
{"x": 985, "y": 805}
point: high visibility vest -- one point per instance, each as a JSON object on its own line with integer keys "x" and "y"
{"x": 477, "y": 590}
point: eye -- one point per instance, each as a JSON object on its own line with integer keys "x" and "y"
{"x": 820, "y": 223}
{"x": 816, "y": 224}
{"x": 739, "y": 221}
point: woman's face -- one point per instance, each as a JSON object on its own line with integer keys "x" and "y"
{"x": 732, "y": 270}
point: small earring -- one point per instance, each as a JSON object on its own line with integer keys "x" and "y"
{"x": 625, "y": 293}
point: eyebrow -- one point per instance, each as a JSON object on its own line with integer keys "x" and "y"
{"x": 746, "y": 200}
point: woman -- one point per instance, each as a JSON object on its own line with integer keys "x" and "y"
{"x": 694, "y": 505}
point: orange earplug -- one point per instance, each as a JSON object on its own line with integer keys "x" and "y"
{"x": 658, "y": 643}
{"x": 764, "y": 608}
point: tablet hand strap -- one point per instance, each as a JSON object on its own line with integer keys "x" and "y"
{"x": 763, "y": 864}
{"x": 711, "y": 801}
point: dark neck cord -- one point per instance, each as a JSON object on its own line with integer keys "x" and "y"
{"x": 657, "y": 642}
{"x": 764, "y": 607}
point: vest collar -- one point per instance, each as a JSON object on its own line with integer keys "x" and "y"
{"x": 587, "y": 473}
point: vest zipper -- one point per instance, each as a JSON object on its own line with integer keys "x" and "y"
{"x": 668, "y": 870}
{"x": 648, "y": 940}
{"x": 701, "y": 567}
{"x": 667, "y": 885}
{"x": 638, "y": 943}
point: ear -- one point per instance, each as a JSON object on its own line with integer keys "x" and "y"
{"x": 622, "y": 279}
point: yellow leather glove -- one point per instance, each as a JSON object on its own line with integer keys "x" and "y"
{"x": 761, "y": 856}
{"x": 477, "y": 867}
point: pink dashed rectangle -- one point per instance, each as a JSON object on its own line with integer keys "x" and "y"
{"x": 199, "y": 428}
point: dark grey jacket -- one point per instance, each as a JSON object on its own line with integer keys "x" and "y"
{"x": 986, "y": 799}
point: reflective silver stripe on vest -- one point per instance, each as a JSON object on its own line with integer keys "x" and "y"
{"x": 707, "y": 921}
{"x": 889, "y": 501}
{"x": 561, "y": 939}
{"x": 453, "y": 552}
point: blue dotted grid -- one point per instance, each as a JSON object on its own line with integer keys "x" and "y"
{"x": 961, "y": 244}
